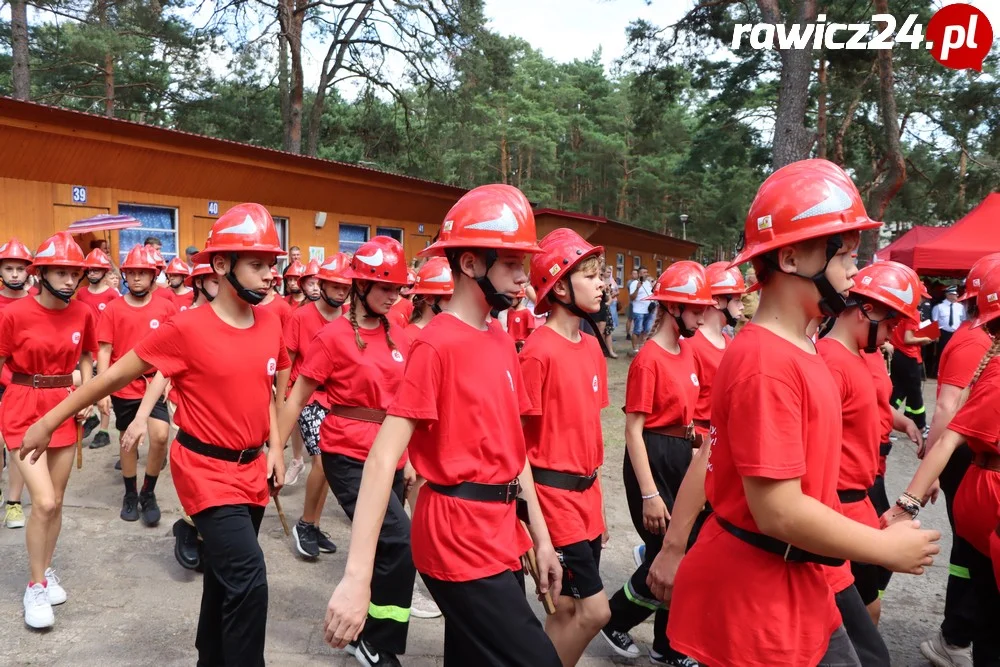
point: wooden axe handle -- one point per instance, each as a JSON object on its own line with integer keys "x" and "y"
{"x": 531, "y": 565}
{"x": 79, "y": 445}
{"x": 281, "y": 515}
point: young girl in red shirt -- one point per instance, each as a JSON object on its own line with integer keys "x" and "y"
{"x": 42, "y": 339}
{"x": 660, "y": 397}
{"x": 432, "y": 289}
{"x": 223, "y": 359}
{"x": 457, "y": 414}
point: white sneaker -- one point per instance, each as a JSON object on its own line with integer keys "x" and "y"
{"x": 37, "y": 609}
{"x": 57, "y": 594}
{"x": 422, "y": 606}
{"x": 942, "y": 654}
{"x": 292, "y": 474}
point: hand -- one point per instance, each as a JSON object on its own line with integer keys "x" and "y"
{"x": 893, "y": 515}
{"x": 133, "y": 435}
{"x": 910, "y": 549}
{"x": 346, "y": 612}
{"x": 662, "y": 572}
{"x": 549, "y": 572}
{"x": 915, "y": 435}
{"x": 606, "y": 535}
{"x": 932, "y": 493}
{"x": 82, "y": 415}
{"x": 409, "y": 477}
{"x": 104, "y": 405}
{"x": 655, "y": 515}
{"x": 36, "y": 440}
{"x": 275, "y": 469}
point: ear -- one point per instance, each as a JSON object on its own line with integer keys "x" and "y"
{"x": 788, "y": 258}
{"x": 220, "y": 264}
{"x": 561, "y": 288}
{"x": 470, "y": 263}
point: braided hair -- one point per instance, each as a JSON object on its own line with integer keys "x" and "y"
{"x": 992, "y": 352}
{"x": 358, "y": 297}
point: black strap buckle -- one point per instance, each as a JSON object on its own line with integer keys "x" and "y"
{"x": 512, "y": 491}
{"x": 247, "y": 455}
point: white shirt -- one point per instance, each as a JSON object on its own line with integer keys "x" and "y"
{"x": 942, "y": 314}
{"x": 639, "y": 305}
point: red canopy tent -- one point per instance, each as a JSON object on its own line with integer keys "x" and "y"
{"x": 901, "y": 250}
{"x": 955, "y": 251}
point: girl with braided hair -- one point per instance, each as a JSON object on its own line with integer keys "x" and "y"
{"x": 358, "y": 361}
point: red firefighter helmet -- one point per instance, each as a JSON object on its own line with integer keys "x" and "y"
{"x": 177, "y": 267}
{"x": 380, "y": 260}
{"x": 434, "y": 278}
{"x": 295, "y": 270}
{"x": 892, "y": 284}
{"x": 14, "y": 249}
{"x": 497, "y": 217}
{"x": 562, "y": 250}
{"x": 275, "y": 274}
{"x": 58, "y": 250}
{"x": 96, "y": 259}
{"x": 312, "y": 269}
{"x": 140, "y": 257}
{"x": 805, "y": 200}
{"x": 987, "y": 301}
{"x": 725, "y": 280}
{"x": 158, "y": 260}
{"x": 336, "y": 269}
{"x": 198, "y": 271}
{"x": 683, "y": 282}
{"x": 976, "y": 274}
{"x": 243, "y": 228}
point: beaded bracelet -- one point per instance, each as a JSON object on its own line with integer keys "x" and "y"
{"x": 651, "y": 496}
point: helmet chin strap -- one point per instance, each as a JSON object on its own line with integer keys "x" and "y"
{"x": 138, "y": 295}
{"x": 312, "y": 298}
{"x": 730, "y": 320}
{"x": 202, "y": 290}
{"x": 363, "y": 294}
{"x": 62, "y": 295}
{"x": 572, "y": 307}
{"x": 251, "y": 297}
{"x": 495, "y": 299}
{"x": 93, "y": 281}
{"x": 679, "y": 319}
{"x": 16, "y": 287}
{"x": 333, "y": 303}
{"x": 436, "y": 306}
{"x": 831, "y": 303}
{"x": 872, "y": 342}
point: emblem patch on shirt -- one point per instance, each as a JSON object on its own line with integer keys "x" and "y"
{"x": 75, "y": 338}
{"x": 102, "y": 306}
{"x": 510, "y": 379}
{"x": 397, "y": 356}
{"x": 594, "y": 384}
{"x": 154, "y": 324}
{"x": 272, "y": 366}
{"x": 694, "y": 379}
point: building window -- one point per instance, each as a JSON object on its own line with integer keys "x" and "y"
{"x": 155, "y": 221}
{"x": 281, "y": 226}
{"x": 659, "y": 267}
{"x": 620, "y": 267}
{"x": 352, "y": 236}
{"x": 636, "y": 262}
{"x": 391, "y": 232}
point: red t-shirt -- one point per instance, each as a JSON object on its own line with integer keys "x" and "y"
{"x": 520, "y": 323}
{"x": 295, "y": 301}
{"x": 299, "y": 332}
{"x": 899, "y": 335}
{"x": 224, "y": 378}
{"x": 977, "y": 502}
{"x": 36, "y": 340}
{"x": 182, "y": 301}
{"x": 567, "y": 384}
{"x": 706, "y": 363}
{"x": 280, "y": 307}
{"x": 163, "y": 292}
{"x": 775, "y": 414}
{"x": 98, "y": 302}
{"x": 883, "y": 393}
{"x": 123, "y": 325}
{"x": 349, "y": 376}
{"x": 961, "y": 356}
{"x": 5, "y": 372}
{"x": 400, "y": 312}
{"x": 413, "y": 332}
{"x": 463, "y": 387}
{"x": 662, "y": 385}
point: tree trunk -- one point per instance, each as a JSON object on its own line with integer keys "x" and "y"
{"x": 792, "y": 140}
{"x": 19, "y": 45}
{"x": 109, "y": 85}
{"x": 283, "y": 85}
{"x": 963, "y": 166}
{"x": 291, "y": 22}
{"x": 821, "y": 111}
{"x": 838, "y": 141}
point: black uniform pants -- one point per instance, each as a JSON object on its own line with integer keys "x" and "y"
{"x": 986, "y": 611}
{"x": 392, "y": 580}
{"x": 669, "y": 459}
{"x": 960, "y": 598}
{"x": 867, "y": 642}
{"x": 907, "y": 386}
{"x": 233, "y": 620}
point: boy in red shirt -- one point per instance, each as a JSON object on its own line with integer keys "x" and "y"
{"x": 273, "y": 300}
{"x": 223, "y": 359}
{"x": 906, "y": 373}
{"x": 177, "y": 272}
{"x": 122, "y": 325}
{"x": 293, "y": 292}
{"x": 565, "y": 376}
{"x": 42, "y": 339}
{"x": 98, "y": 294}
{"x": 459, "y": 410}
{"x": 333, "y": 283}
{"x": 776, "y": 439}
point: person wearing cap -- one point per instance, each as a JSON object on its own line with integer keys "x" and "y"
{"x": 273, "y": 300}
{"x": 958, "y": 363}
{"x": 565, "y": 376}
{"x": 179, "y": 293}
{"x": 949, "y": 314}
{"x": 42, "y": 340}
{"x": 122, "y": 325}
{"x": 461, "y": 387}
{"x": 15, "y": 258}
{"x": 776, "y": 445}
{"x": 222, "y": 359}
{"x": 189, "y": 254}
{"x": 332, "y": 285}
{"x": 293, "y": 292}
{"x": 431, "y": 292}
{"x": 976, "y": 506}
{"x": 357, "y": 363}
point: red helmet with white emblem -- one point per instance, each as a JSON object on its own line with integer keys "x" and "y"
{"x": 58, "y": 250}
{"x": 434, "y": 278}
{"x": 683, "y": 282}
{"x": 892, "y": 284}
{"x": 724, "y": 280}
{"x": 562, "y": 250}
{"x": 312, "y": 269}
{"x": 275, "y": 274}
{"x": 336, "y": 269}
{"x": 177, "y": 267}
{"x": 97, "y": 260}
{"x": 158, "y": 260}
{"x": 380, "y": 260}
{"x": 140, "y": 258}
{"x": 496, "y": 217}
{"x": 14, "y": 249}
{"x": 198, "y": 271}
{"x": 976, "y": 274}
{"x": 295, "y": 269}
{"x": 987, "y": 301}
{"x": 243, "y": 228}
{"x": 805, "y": 200}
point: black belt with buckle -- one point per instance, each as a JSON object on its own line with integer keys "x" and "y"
{"x": 884, "y": 449}
{"x": 487, "y": 493}
{"x": 849, "y": 496}
{"x": 566, "y": 481}
{"x": 775, "y": 546}
{"x": 238, "y": 456}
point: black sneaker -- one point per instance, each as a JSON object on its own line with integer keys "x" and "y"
{"x": 369, "y": 657}
{"x": 675, "y": 659}
{"x": 621, "y": 642}
{"x": 102, "y": 439}
{"x": 305, "y": 539}
{"x": 186, "y": 545}
{"x": 324, "y": 542}
{"x": 93, "y": 421}
{"x": 118, "y": 464}
{"x": 130, "y": 507}
{"x": 148, "y": 508}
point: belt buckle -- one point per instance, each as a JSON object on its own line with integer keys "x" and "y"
{"x": 239, "y": 459}
{"x": 511, "y": 491}
{"x": 34, "y": 381}
{"x": 689, "y": 432}
{"x": 788, "y": 550}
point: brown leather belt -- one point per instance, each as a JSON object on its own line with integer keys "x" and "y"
{"x": 988, "y": 461}
{"x": 358, "y": 413}
{"x": 702, "y": 424}
{"x": 683, "y": 431}
{"x": 42, "y": 381}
